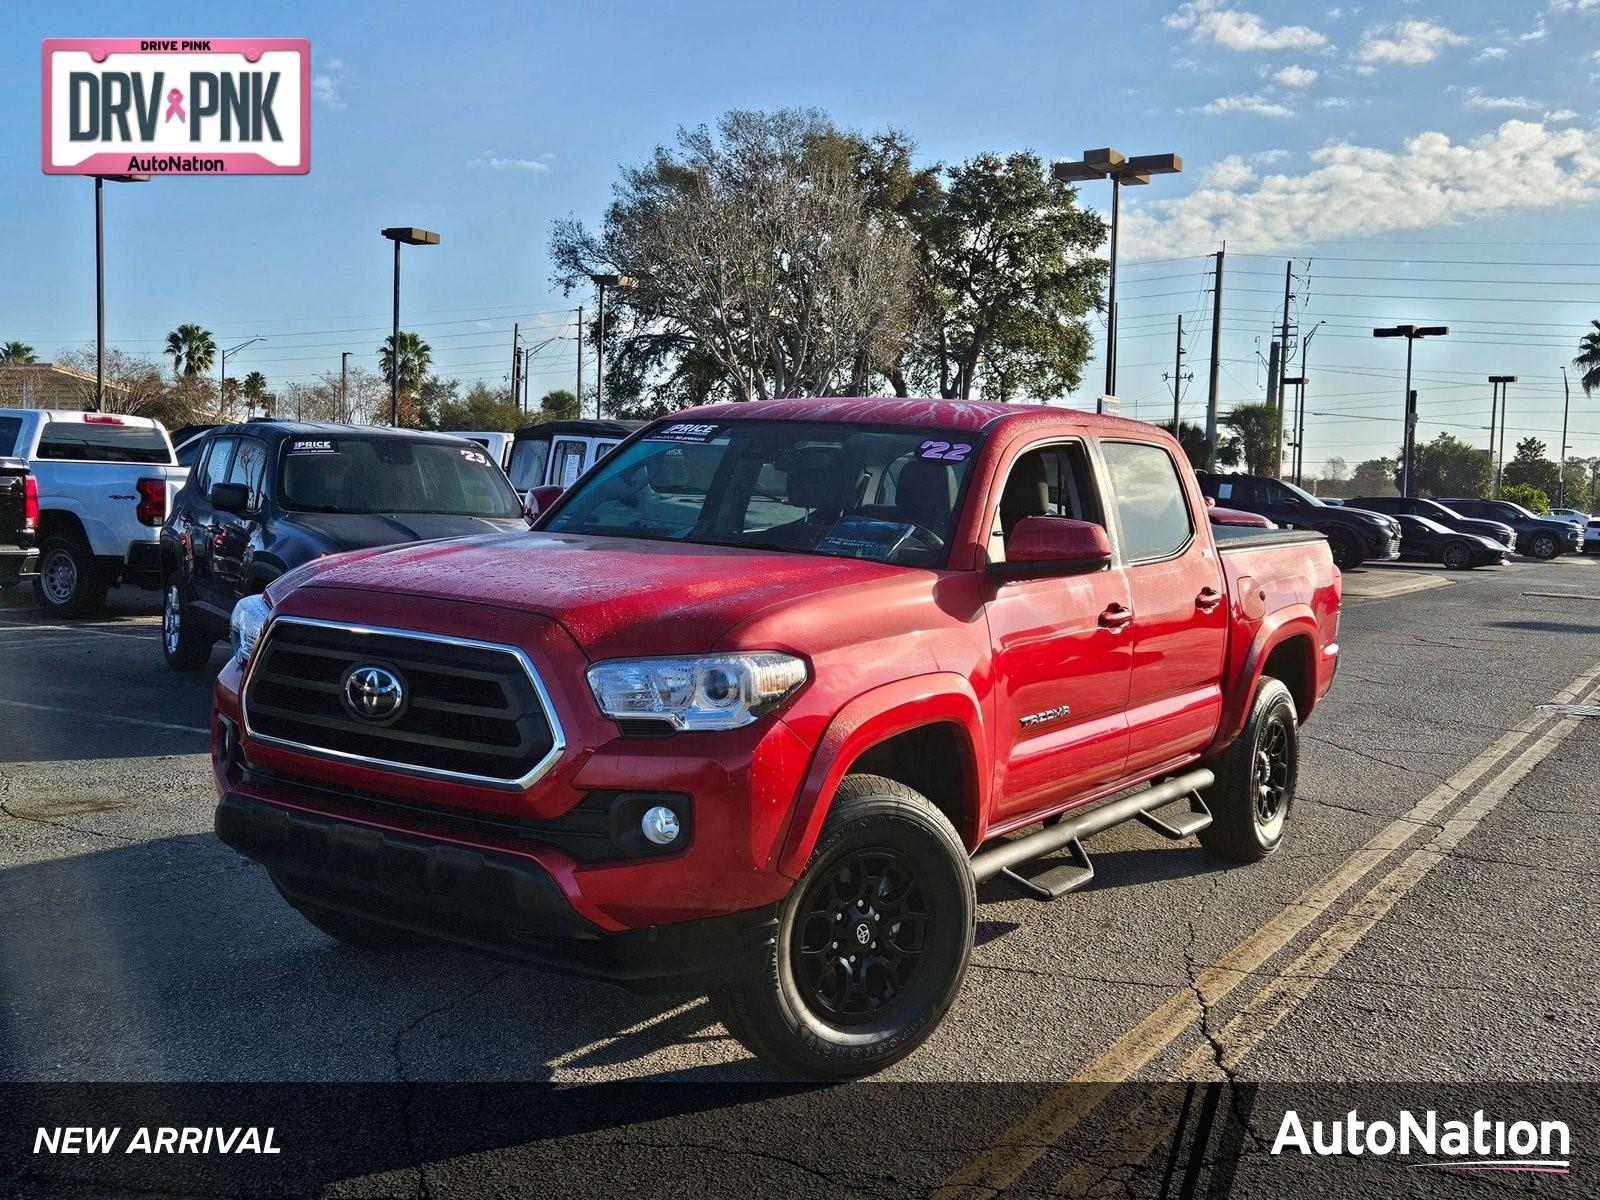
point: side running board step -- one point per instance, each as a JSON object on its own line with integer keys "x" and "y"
{"x": 1002, "y": 858}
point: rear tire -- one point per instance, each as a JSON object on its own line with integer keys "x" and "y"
{"x": 1456, "y": 556}
{"x": 185, "y": 646}
{"x": 360, "y": 932}
{"x": 873, "y": 940}
{"x": 1544, "y": 546}
{"x": 1346, "y": 554}
{"x": 1254, "y": 791}
{"x": 70, "y": 582}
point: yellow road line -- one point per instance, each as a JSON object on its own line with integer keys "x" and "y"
{"x": 1139, "y": 1134}
{"x": 1020, "y": 1146}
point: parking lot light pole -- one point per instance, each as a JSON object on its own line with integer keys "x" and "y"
{"x": 1411, "y": 333}
{"x": 1107, "y": 163}
{"x": 1497, "y": 408}
{"x": 100, "y": 283}
{"x": 407, "y": 236}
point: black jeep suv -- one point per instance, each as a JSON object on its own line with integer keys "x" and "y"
{"x": 266, "y": 496}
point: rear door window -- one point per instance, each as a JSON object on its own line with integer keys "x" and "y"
{"x": 215, "y": 468}
{"x": 93, "y": 441}
{"x": 567, "y": 461}
{"x": 249, "y": 467}
{"x": 1150, "y": 502}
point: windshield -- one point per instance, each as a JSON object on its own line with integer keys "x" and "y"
{"x": 104, "y": 441}
{"x": 848, "y": 491}
{"x": 528, "y": 458}
{"x": 1301, "y": 492}
{"x": 392, "y": 475}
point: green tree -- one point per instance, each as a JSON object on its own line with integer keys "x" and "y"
{"x": 411, "y": 365}
{"x": 16, "y": 352}
{"x": 1448, "y": 466}
{"x": 1589, "y": 359}
{"x": 1374, "y": 477}
{"x": 1007, "y": 281}
{"x": 1255, "y": 428}
{"x": 756, "y": 268}
{"x": 192, "y": 350}
{"x": 558, "y": 404}
{"x": 1530, "y": 466}
{"x": 482, "y": 408}
{"x": 254, "y": 391}
{"x": 1192, "y": 438}
{"x": 1526, "y": 495}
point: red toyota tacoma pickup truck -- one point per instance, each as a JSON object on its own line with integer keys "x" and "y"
{"x": 762, "y": 698}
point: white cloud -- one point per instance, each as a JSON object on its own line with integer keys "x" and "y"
{"x": 1561, "y": 114}
{"x": 1359, "y": 191}
{"x": 496, "y": 162}
{"x": 1295, "y": 76}
{"x": 1477, "y": 98}
{"x": 1410, "y": 42}
{"x": 1236, "y": 29}
{"x": 1334, "y": 102}
{"x": 1231, "y": 172}
{"x": 1490, "y": 52}
{"x": 1269, "y": 156}
{"x": 1246, "y": 102}
{"x": 326, "y": 89}
{"x": 334, "y": 64}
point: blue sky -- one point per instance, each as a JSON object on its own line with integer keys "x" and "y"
{"x": 1430, "y": 163}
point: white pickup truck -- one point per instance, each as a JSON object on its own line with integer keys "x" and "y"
{"x": 105, "y": 484}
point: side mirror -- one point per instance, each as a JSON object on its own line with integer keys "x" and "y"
{"x": 230, "y": 498}
{"x": 1211, "y": 501}
{"x": 541, "y": 498}
{"x": 1040, "y": 547}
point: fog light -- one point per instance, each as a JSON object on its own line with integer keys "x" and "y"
{"x": 660, "y": 825}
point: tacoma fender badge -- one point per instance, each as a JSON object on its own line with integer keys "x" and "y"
{"x": 1049, "y": 714}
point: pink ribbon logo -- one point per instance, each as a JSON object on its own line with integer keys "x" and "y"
{"x": 175, "y": 105}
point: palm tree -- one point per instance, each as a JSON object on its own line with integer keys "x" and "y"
{"x": 1589, "y": 359}
{"x": 192, "y": 350}
{"x": 16, "y": 352}
{"x": 416, "y": 356}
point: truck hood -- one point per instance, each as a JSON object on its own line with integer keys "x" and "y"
{"x": 616, "y": 596}
{"x": 360, "y": 531}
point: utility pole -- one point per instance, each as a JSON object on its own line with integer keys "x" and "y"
{"x": 1497, "y": 453}
{"x": 1177, "y": 379}
{"x": 1283, "y": 357}
{"x": 580, "y": 360}
{"x": 1300, "y": 409}
{"x": 1411, "y": 333}
{"x": 516, "y": 360}
{"x": 1561, "y": 463}
{"x": 344, "y": 386}
{"x": 1216, "y": 365}
{"x": 1273, "y": 375}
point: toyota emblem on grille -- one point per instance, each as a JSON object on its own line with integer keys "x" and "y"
{"x": 374, "y": 694}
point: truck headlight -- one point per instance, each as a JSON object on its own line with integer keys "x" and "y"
{"x": 714, "y": 691}
{"x": 244, "y": 627}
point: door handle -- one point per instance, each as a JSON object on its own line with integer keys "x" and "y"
{"x": 1116, "y": 616}
{"x": 1208, "y": 599}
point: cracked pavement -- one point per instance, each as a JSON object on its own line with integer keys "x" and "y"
{"x": 135, "y": 947}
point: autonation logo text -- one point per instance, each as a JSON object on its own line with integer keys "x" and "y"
{"x": 1478, "y": 1144}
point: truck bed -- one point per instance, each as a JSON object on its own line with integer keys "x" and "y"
{"x": 1247, "y": 537}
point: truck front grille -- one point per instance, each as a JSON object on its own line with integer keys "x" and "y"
{"x": 473, "y": 711}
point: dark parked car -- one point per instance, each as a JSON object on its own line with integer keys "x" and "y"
{"x": 1541, "y": 537}
{"x": 1425, "y": 540}
{"x": 1354, "y": 535}
{"x": 267, "y": 496}
{"x": 1396, "y": 506}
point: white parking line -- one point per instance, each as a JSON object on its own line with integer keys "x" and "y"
{"x": 100, "y": 716}
{"x": 31, "y": 627}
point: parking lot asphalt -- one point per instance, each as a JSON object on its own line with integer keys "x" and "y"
{"x": 1430, "y": 916}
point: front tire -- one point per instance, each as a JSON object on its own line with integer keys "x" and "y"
{"x": 186, "y": 648}
{"x": 70, "y": 582}
{"x": 1455, "y": 556}
{"x": 872, "y": 944}
{"x": 1254, "y": 791}
{"x": 1346, "y": 554}
{"x": 1544, "y": 546}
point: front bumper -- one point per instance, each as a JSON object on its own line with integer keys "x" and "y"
{"x": 489, "y": 900}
